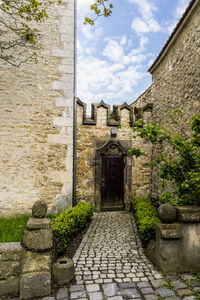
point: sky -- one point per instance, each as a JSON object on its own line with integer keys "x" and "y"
{"x": 114, "y": 55}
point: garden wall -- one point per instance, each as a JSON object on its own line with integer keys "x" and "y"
{"x": 93, "y": 133}
{"x": 36, "y": 115}
{"x": 11, "y": 255}
{"x": 177, "y": 246}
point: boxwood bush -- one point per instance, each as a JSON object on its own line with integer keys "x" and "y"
{"x": 146, "y": 217}
{"x": 69, "y": 223}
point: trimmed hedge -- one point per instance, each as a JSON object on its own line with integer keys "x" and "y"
{"x": 146, "y": 217}
{"x": 69, "y": 223}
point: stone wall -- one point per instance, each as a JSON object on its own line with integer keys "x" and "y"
{"x": 36, "y": 115}
{"x": 176, "y": 240}
{"x": 176, "y": 81}
{"x": 94, "y": 132}
{"x": 11, "y": 255}
{"x": 143, "y": 99}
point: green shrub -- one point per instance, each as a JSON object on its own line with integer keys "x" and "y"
{"x": 69, "y": 223}
{"x": 146, "y": 217}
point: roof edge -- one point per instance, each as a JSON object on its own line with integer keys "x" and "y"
{"x": 174, "y": 33}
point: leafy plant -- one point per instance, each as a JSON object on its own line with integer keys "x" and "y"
{"x": 182, "y": 166}
{"x": 18, "y": 34}
{"x": 100, "y": 8}
{"x": 69, "y": 223}
{"x": 146, "y": 217}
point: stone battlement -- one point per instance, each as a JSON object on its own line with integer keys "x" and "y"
{"x": 113, "y": 117}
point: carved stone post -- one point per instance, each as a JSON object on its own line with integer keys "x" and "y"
{"x": 38, "y": 243}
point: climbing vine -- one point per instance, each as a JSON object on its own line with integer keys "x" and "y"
{"x": 181, "y": 167}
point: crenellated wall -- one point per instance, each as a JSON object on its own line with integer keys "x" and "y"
{"x": 93, "y": 133}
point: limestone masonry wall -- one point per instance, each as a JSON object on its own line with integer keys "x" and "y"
{"x": 176, "y": 81}
{"x": 36, "y": 115}
{"x": 91, "y": 132}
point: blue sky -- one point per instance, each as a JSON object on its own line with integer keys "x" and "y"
{"x": 114, "y": 55}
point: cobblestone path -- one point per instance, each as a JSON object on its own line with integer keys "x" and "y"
{"x": 110, "y": 264}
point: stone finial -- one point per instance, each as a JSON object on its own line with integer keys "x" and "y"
{"x": 39, "y": 209}
{"x": 167, "y": 213}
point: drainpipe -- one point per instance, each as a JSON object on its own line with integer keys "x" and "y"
{"x": 74, "y": 108}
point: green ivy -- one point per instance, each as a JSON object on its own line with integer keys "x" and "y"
{"x": 69, "y": 223}
{"x": 182, "y": 166}
{"x": 146, "y": 217}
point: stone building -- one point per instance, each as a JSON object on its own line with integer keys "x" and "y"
{"x": 37, "y": 116}
{"x": 176, "y": 79}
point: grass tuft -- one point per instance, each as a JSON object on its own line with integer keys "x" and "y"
{"x": 11, "y": 228}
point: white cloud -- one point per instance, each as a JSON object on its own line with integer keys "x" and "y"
{"x": 180, "y": 8}
{"x": 123, "y": 40}
{"x": 139, "y": 25}
{"x": 147, "y": 23}
{"x": 113, "y": 51}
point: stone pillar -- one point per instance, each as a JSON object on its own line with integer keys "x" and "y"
{"x": 177, "y": 245}
{"x": 38, "y": 243}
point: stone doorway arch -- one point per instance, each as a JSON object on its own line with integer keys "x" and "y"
{"x": 113, "y": 175}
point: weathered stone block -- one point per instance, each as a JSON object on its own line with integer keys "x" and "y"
{"x": 167, "y": 213}
{"x": 63, "y": 271}
{"x": 9, "y": 268}
{"x": 9, "y": 286}
{"x": 166, "y": 255}
{"x": 36, "y": 223}
{"x": 11, "y": 251}
{"x": 191, "y": 246}
{"x": 38, "y": 239}
{"x": 188, "y": 214}
{"x": 35, "y": 285}
{"x": 168, "y": 231}
{"x": 37, "y": 262}
{"x": 39, "y": 209}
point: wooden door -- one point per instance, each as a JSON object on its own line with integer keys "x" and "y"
{"x": 112, "y": 184}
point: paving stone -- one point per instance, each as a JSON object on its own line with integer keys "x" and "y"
{"x": 143, "y": 284}
{"x": 110, "y": 289}
{"x": 76, "y": 288}
{"x": 77, "y": 295}
{"x": 62, "y": 293}
{"x": 183, "y": 292}
{"x": 194, "y": 283}
{"x": 178, "y": 284}
{"x": 125, "y": 285}
{"x": 164, "y": 292}
{"x": 147, "y": 290}
{"x": 92, "y": 288}
{"x": 157, "y": 283}
{"x": 187, "y": 276}
{"x": 95, "y": 296}
{"x": 172, "y": 298}
{"x": 150, "y": 297}
{"x": 130, "y": 293}
{"x": 115, "y": 298}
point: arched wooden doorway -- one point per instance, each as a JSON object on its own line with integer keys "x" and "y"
{"x": 112, "y": 179}
{"x": 113, "y": 175}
